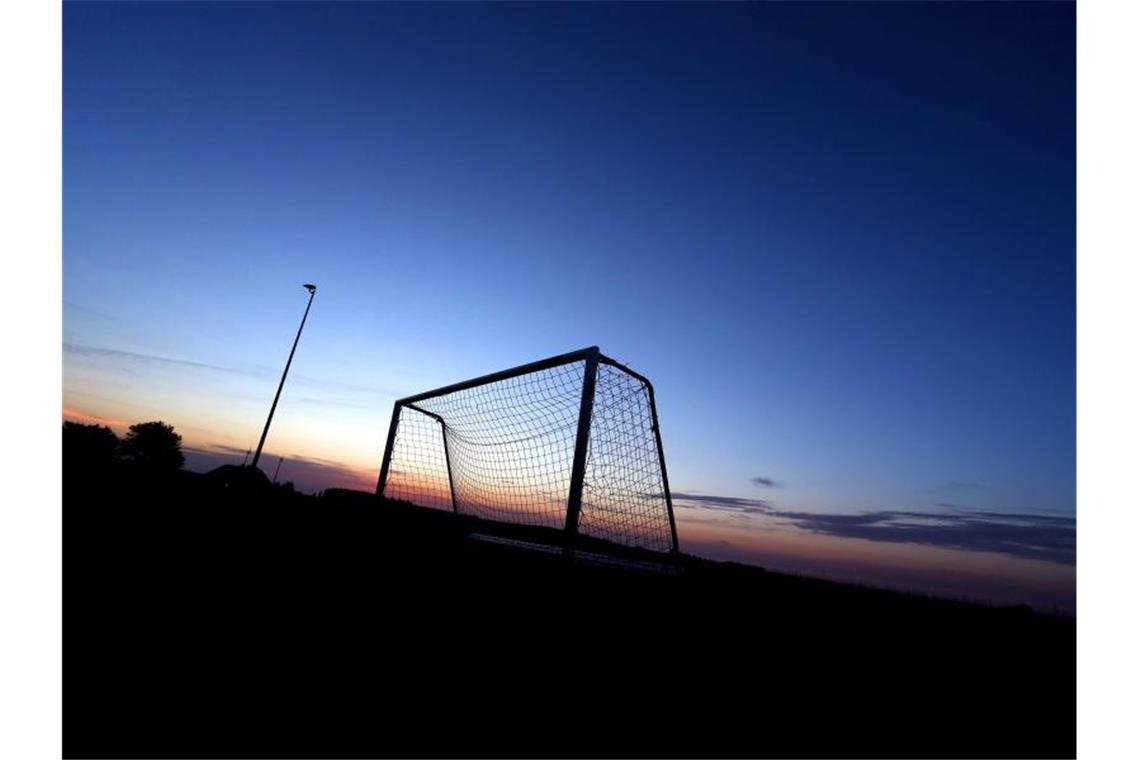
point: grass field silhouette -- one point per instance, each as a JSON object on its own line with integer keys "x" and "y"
{"x": 206, "y": 618}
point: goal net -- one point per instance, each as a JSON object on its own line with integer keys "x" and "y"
{"x": 569, "y": 442}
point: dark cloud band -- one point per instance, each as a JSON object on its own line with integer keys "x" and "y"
{"x": 1047, "y": 537}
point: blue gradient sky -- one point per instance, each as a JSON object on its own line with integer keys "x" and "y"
{"x": 839, "y": 238}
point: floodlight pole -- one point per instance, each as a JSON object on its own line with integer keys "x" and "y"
{"x": 312, "y": 292}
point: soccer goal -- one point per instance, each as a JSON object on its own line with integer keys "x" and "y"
{"x": 570, "y": 442}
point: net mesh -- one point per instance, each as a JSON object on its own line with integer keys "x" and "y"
{"x": 623, "y": 496}
{"x": 510, "y": 444}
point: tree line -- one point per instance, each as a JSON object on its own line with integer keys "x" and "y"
{"x": 152, "y": 446}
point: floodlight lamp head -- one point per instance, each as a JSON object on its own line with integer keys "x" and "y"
{"x": 311, "y": 288}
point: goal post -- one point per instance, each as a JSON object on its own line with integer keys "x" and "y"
{"x": 569, "y": 442}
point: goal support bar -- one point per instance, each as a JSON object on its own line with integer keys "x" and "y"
{"x": 581, "y": 443}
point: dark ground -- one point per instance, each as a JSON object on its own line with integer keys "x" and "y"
{"x": 204, "y": 622}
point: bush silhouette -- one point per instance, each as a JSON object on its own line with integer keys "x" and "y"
{"x": 88, "y": 446}
{"x": 153, "y": 446}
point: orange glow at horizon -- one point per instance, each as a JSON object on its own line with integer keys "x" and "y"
{"x": 74, "y": 415}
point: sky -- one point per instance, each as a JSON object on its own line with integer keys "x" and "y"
{"x": 839, "y": 238}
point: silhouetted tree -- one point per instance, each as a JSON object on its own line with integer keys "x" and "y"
{"x": 153, "y": 445}
{"x": 88, "y": 446}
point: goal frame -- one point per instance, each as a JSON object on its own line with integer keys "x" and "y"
{"x": 592, "y": 357}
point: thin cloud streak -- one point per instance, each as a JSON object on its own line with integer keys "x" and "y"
{"x": 259, "y": 372}
{"x": 82, "y": 350}
{"x": 724, "y": 503}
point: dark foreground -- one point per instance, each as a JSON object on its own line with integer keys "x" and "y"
{"x": 200, "y": 622}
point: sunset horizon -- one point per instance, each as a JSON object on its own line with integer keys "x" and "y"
{"x": 740, "y": 527}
